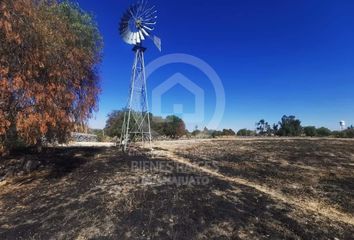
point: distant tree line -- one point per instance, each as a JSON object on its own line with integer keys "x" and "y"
{"x": 207, "y": 133}
{"x": 174, "y": 127}
{"x": 290, "y": 126}
{"x": 224, "y": 132}
{"x": 171, "y": 126}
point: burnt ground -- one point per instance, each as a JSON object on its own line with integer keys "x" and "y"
{"x": 220, "y": 189}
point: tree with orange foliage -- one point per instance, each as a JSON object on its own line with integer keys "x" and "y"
{"x": 49, "y": 53}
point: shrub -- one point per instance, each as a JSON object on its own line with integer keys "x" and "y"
{"x": 310, "y": 131}
{"x": 245, "y": 132}
{"x": 323, "y": 132}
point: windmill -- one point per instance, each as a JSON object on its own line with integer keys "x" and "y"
{"x": 136, "y": 25}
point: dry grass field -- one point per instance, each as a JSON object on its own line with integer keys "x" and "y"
{"x": 189, "y": 189}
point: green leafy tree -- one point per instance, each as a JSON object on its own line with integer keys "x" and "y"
{"x": 263, "y": 127}
{"x": 82, "y": 25}
{"x": 349, "y": 133}
{"x": 228, "y": 132}
{"x": 114, "y": 123}
{"x": 216, "y": 134}
{"x": 290, "y": 126}
{"x": 310, "y": 131}
{"x": 174, "y": 127}
{"x": 275, "y": 129}
{"x": 323, "y": 132}
{"x": 157, "y": 125}
{"x": 245, "y": 132}
{"x": 196, "y": 132}
{"x": 338, "y": 134}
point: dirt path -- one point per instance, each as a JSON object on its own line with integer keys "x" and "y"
{"x": 310, "y": 205}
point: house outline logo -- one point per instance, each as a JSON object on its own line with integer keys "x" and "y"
{"x": 190, "y": 86}
{"x": 205, "y": 68}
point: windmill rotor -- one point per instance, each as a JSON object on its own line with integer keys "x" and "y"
{"x": 138, "y": 22}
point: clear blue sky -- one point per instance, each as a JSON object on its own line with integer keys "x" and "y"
{"x": 274, "y": 57}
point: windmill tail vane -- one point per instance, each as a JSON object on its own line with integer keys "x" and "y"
{"x": 157, "y": 42}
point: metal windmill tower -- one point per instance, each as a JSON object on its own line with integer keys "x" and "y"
{"x": 137, "y": 24}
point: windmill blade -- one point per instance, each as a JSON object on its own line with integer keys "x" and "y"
{"x": 141, "y": 35}
{"x": 127, "y": 37}
{"x": 124, "y": 20}
{"x": 142, "y": 7}
{"x": 138, "y": 8}
{"x": 148, "y": 11}
{"x": 131, "y": 13}
{"x": 145, "y": 32}
{"x": 149, "y": 23}
{"x": 122, "y": 29}
{"x": 138, "y": 40}
{"x": 148, "y": 28}
{"x": 131, "y": 38}
{"x": 126, "y": 15}
{"x": 150, "y": 15}
{"x": 151, "y": 11}
{"x": 135, "y": 38}
{"x": 150, "y": 19}
{"x": 123, "y": 26}
{"x": 128, "y": 40}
